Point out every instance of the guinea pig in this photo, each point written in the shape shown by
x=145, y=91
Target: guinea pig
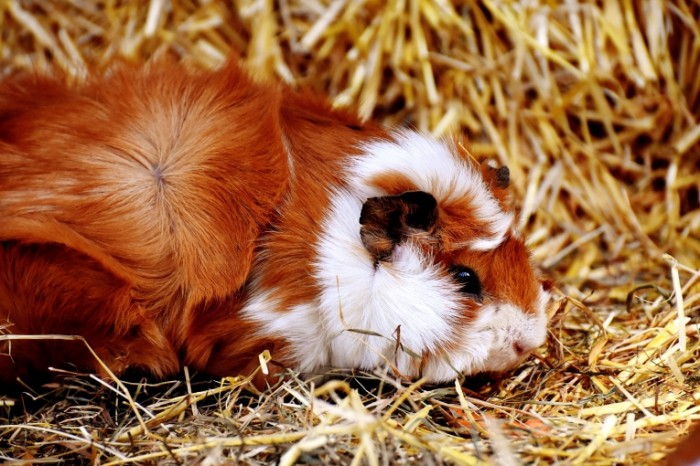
x=173, y=217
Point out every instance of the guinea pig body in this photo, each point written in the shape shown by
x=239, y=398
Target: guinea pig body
x=197, y=218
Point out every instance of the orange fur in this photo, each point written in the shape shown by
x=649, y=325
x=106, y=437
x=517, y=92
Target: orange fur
x=321, y=139
x=144, y=177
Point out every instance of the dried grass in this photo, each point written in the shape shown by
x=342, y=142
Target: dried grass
x=595, y=107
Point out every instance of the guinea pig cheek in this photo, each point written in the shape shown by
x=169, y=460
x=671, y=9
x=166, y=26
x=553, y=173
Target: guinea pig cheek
x=497, y=339
x=516, y=335
x=511, y=334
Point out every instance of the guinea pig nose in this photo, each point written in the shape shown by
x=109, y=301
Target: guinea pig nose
x=520, y=348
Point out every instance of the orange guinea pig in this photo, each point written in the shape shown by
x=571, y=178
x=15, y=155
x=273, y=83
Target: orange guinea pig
x=173, y=217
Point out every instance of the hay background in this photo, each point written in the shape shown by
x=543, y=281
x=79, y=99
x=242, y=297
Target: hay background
x=595, y=107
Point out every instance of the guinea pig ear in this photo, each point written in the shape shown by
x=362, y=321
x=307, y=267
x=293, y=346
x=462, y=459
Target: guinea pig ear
x=498, y=180
x=386, y=220
x=547, y=284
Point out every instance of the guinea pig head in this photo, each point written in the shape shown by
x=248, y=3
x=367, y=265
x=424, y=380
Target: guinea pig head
x=433, y=280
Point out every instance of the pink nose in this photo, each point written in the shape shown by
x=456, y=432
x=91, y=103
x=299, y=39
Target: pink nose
x=520, y=348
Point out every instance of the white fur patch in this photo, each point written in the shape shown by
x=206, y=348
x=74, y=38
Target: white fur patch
x=299, y=325
x=407, y=294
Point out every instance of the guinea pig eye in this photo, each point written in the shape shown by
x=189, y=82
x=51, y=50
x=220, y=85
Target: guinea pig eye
x=468, y=280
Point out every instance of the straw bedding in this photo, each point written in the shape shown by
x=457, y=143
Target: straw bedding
x=594, y=106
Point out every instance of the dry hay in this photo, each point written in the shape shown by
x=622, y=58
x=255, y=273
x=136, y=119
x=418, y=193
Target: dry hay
x=595, y=107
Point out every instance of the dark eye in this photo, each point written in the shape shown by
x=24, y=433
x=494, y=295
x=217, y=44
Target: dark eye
x=467, y=279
